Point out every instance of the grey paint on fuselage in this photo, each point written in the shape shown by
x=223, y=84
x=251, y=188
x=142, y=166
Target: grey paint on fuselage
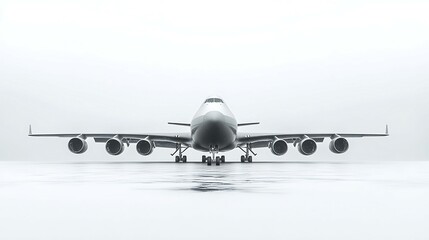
x=214, y=125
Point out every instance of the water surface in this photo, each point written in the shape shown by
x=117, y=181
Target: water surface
x=262, y=200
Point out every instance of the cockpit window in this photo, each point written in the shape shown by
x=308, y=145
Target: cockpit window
x=210, y=100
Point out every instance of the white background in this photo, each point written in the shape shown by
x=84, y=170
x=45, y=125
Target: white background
x=295, y=66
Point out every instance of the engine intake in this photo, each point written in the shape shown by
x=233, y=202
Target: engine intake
x=339, y=145
x=77, y=145
x=144, y=147
x=307, y=146
x=279, y=147
x=114, y=146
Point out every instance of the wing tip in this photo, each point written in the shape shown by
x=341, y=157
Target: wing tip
x=30, y=132
x=387, y=129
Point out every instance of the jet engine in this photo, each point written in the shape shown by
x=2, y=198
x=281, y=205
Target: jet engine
x=144, y=147
x=114, y=146
x=339, y=145
x=77, y=145
x=279, y=147
x=307, y=146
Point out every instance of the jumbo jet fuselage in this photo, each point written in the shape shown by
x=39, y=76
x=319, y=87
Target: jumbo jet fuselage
x=214, y=127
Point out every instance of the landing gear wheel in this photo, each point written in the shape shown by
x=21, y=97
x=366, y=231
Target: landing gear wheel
x=204, y=158
x=184, y=159
x=222, y=159
x=209, y=161
x=243, y=159
x=249, y=159
x=177, y=159
x=217, y=161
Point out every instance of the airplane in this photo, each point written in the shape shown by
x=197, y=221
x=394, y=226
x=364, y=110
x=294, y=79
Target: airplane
x=213, y=129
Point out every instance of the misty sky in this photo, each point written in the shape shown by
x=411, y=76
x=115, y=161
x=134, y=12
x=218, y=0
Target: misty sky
x=295, y=66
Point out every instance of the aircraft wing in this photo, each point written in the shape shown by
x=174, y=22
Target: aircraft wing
x=167, y=140
x=263, y=139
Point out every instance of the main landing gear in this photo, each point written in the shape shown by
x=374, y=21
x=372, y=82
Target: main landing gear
x=216, y=159
x=244, y=159
x=181, y=150
x=247, y=157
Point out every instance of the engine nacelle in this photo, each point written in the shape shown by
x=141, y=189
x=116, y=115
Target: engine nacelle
x=144, y=147
x=77, y=145
x=307, y=146
x=339, y=145
x=114, y=146
x=279, y=147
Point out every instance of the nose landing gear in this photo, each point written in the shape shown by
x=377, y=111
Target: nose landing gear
x=214, y=149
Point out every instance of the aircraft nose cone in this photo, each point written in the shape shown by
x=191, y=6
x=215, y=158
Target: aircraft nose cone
x=213, y=117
